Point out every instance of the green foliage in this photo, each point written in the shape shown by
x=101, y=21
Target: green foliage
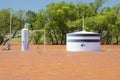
x=58, y=14
x=36, y=38
x=85, y=9
x=4, y=20
x=31, y=18
x=116, y=8
x=17, y=22
x=60, y=18
x=97, y=4
x=41, y=20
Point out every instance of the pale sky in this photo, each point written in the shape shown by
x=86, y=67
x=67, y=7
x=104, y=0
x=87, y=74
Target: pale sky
x=36, y=5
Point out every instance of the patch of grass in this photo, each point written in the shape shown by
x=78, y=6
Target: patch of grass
x=17, y=39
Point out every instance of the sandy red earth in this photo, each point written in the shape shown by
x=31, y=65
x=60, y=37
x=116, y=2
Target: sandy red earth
x=53, y=62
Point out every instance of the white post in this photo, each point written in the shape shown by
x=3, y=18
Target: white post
x=10, y=10
x=44, y=40
x=83, y=28
x=44, y=37
x=10, y=24
x=24, y=39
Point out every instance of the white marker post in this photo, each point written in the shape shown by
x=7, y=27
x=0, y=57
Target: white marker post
x=24, y=39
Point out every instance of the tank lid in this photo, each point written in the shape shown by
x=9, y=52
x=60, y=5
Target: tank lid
x=83, y=32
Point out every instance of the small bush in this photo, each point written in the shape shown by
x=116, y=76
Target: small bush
x=36, y=38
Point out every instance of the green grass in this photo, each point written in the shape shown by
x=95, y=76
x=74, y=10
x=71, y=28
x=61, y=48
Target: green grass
x=17, y=39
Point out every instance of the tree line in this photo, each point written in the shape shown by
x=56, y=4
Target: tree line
x=60, y=18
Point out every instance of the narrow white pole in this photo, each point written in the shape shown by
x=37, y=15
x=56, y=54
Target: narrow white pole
x=44, y=39
x=10, y=10
x=10, y=24
x=83, y=28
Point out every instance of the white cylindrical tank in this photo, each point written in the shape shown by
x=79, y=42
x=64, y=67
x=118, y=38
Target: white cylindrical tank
x=24, y=39
x=83, y=41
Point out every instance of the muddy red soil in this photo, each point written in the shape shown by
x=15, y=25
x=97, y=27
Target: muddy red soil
x=53, y=62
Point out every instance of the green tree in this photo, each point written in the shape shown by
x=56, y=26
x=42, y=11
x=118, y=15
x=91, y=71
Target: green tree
x=58, y=16
x=19, y=21
x=97, y=4
x=111, y=17
x=31, y=18
x=41, y=20
x=116, y=7
x=4, y=26
x=84, y=9
x=117, y=29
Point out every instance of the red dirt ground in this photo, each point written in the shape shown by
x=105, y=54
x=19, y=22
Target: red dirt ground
x=53, y=62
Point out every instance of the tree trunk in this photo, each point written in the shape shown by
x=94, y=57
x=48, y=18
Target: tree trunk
x=51, y=37
x=55, y=37
x=15, y=33
x=1, y=39
x=5, y=41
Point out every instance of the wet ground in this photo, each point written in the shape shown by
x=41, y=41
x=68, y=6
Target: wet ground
x=53, y=62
